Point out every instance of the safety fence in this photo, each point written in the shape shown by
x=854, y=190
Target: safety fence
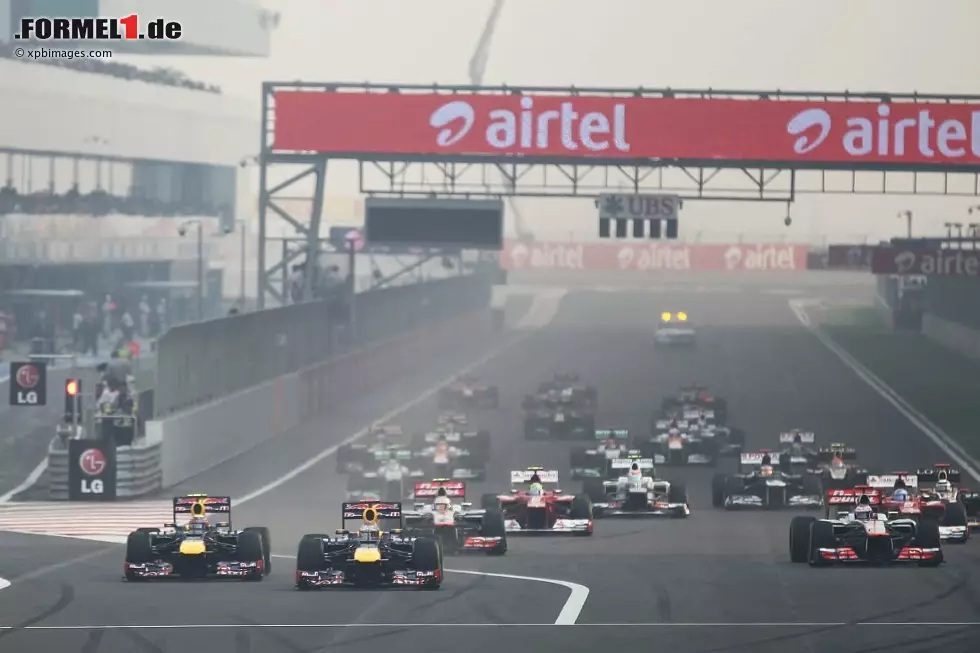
x=205, y=361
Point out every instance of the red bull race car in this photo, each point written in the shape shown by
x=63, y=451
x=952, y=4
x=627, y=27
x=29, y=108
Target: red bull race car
x=531, y=508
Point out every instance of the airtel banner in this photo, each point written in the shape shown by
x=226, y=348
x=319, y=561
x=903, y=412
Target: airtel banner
x=652, y=257
x=566, y=126
x=928, y=262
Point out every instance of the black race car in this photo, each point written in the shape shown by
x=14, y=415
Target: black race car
x=369, y=557
x=696, y=396
x=569, y=389
x=451, y=453
x=389, y=479
x=468, y=392
x=359, y=456
x=767, y=486
x=441, y=511
x=193, y=546
x=593, y=461
x=557, y=416
x=865, y=536
x=678, y=442
x=836, y=467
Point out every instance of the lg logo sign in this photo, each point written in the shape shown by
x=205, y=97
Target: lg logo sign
x=28, y=384
x=92, y=462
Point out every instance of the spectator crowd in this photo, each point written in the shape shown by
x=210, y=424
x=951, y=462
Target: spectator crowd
x=159, y=76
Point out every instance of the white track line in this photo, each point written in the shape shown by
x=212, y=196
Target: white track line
x=541, y=303
x=805, y=624
x=940, y=438
x=569, y=611
x=28, y=482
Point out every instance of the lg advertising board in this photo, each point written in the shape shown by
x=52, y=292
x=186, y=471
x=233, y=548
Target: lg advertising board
x=28, y=384
x=562, y=126
x=930, y=262
x=91, y=470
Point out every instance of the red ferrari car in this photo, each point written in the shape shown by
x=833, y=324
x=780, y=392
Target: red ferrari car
x=530, y=507
x=922, y=497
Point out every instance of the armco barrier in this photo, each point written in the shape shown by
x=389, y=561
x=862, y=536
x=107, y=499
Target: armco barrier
x=199, y=363
x=138, y=470
x=202, y=437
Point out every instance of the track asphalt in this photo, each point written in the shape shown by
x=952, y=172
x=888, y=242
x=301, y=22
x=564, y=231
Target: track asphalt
x=716, y=581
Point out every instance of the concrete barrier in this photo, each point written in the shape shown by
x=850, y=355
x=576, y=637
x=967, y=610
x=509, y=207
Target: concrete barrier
x=138, y=471
x=959, y=338
x=200, y=438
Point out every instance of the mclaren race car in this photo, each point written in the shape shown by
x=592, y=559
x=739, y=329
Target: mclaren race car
x=864, y=534
x=195, y=546
x=766, y=486
x=676, y=442
x=468, y=392
x=675, y=330
x=927, y=495
x=635, y=491
x=696, y=396
x=369, y=556
x=593, y=461
x=835, y=465
x=441, y=511
x=450, y=453
x=530, y=508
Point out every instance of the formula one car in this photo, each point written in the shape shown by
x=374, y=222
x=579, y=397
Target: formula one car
x=557, y=419
x=836, y=469
x=696, y=396
x=441, y=511
x=198, y=548
x=592, y=461
x=368, y=557
x=929, y=496
x=569, y=389
x=675, y=442
x=766, y=486
x=944, y=481
x=468, y=392
x=864, y=535
x=387, y=482
x=358, y=456
x=675, y=329
x=530, y=508
x=450, y=453
x=636, y=492
x=797, y=449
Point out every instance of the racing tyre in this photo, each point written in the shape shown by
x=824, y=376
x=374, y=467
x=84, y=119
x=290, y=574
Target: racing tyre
x=594, y=489
x=263, y=532
x=581, y=509
x=138, y=551
x=956, y=516
x=427, y=556
x=250, y=550
x=343, y=458
x=718, y=486
x=489, y=502
x=737, y=438
x=309, y=556
x=481, y=445
x=927, y=537
x=733, y=485
x=799, y=538
x=812, y=486
x=677, y=494
x=493, y=397
x=821, y=537
x=494, y=526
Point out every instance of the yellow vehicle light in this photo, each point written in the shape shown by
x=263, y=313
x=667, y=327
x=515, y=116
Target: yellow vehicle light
x=665, y=317
x=682, y=317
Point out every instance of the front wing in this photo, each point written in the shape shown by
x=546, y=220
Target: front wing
x=219, y=569
x=954, y=533
x=681, y=457
x=337, y=578
x=739, y=501
x=907, y=554
x=656, y=509
x=560, y=527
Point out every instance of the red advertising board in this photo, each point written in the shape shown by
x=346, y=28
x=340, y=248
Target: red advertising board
x=652, y=257
x=569, y=127
x=928, y=262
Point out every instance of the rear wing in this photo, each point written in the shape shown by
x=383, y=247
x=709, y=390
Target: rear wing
x=806, y=437
x=851, y=496
x=626, y=463
x=454, y=489
x=887, y=481
x=827, y=454
x=665, y=424
x=932, y=476
x=452, y=418
x=612, y=434
x=448, y=436
x=754, y=459
x=201, y=505
x=371, y=512
x=524, y=476
x=695, y=413
x=383, y=455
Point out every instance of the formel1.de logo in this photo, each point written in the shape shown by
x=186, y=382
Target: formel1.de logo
x=128, y=28
x=92, y=462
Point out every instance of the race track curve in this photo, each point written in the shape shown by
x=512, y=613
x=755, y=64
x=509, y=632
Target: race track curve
x=717, y=581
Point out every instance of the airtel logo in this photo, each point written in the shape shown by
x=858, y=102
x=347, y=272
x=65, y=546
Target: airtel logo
x=528, y=129
x=804, y=122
